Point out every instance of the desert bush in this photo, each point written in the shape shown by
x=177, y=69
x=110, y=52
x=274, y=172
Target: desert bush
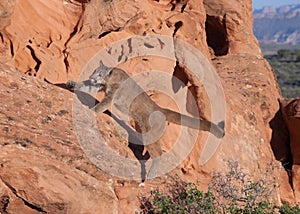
x=238, y=192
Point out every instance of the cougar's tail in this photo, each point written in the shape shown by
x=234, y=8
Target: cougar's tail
x=195, y=123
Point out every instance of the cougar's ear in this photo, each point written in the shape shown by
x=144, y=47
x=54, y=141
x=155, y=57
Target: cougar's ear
x=101, y=64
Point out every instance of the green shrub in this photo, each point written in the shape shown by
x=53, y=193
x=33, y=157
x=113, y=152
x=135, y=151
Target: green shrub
x=287, y=209
x=182, y=198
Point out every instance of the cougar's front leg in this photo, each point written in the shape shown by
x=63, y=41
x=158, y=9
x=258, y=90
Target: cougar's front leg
x=104, y=104
x=107, y=100
x=153, y=145
x=155, y=152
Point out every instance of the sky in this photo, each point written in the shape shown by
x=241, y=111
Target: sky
x=258, y=4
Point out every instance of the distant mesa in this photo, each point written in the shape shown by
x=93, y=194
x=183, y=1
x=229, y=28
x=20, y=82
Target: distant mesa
x=278, y=25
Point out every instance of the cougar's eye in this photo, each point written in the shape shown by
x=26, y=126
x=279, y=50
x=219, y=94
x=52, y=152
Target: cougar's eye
x=93, y=81
x=98, y=85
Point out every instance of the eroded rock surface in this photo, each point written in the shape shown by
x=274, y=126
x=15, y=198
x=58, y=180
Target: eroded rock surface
x=41, y=165
x=290, y=109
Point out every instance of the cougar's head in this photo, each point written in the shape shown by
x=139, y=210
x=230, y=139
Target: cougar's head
x=95, y=83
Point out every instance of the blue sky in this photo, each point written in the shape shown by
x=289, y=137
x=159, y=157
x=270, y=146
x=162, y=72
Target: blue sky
x=258, y=4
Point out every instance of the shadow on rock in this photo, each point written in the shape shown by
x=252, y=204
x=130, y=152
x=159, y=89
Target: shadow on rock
x=137, y=148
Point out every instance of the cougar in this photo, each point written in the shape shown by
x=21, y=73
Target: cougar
x=148, y=116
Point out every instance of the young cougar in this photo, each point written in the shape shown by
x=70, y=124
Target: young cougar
x=142, y=109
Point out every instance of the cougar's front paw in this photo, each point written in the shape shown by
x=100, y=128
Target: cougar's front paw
x=220, y=134
x=70, y=84
x=218, y=130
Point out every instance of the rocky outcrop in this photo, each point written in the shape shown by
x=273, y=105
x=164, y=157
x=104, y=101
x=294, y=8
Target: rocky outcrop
x=291, y=114
x=229, y=27
x=6, y=9
x=54, y=42
x=41, y=166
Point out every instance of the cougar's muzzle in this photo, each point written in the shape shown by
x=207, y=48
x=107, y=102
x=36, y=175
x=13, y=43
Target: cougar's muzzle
x=85, y=86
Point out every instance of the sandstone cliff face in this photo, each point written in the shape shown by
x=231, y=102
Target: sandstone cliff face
x=290, y=109
x=55, y=41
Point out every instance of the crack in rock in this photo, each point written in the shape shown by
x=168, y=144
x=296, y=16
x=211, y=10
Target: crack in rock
x=26, y=202
x=77, y=28
x=35, y=58
x=4, y=201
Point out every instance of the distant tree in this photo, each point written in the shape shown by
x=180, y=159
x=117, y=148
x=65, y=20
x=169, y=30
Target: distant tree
x=284, y=53
x=297, y=54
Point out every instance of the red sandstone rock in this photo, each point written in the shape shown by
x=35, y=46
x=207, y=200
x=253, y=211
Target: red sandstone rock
x=41, y=169
x=6, y=9
x=291, y=114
